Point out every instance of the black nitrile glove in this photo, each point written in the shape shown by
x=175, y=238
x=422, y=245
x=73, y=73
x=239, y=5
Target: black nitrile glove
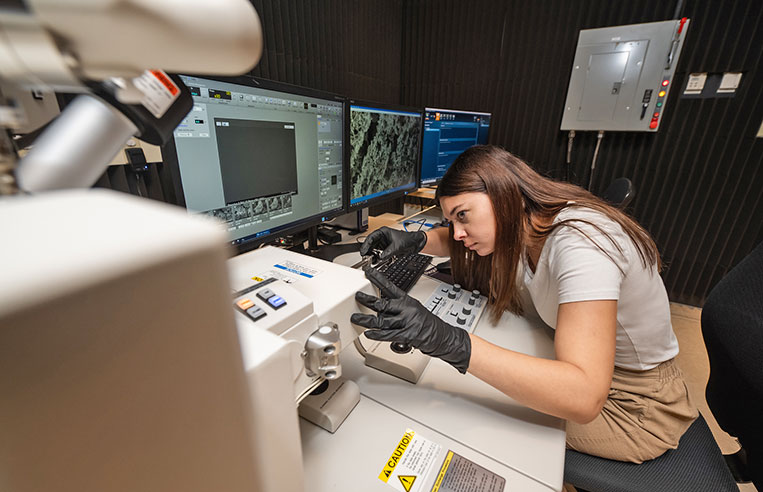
x=393, y=242
x=403, y=319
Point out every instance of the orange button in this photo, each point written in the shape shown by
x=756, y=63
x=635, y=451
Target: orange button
x=661, y=94
x=245, y=303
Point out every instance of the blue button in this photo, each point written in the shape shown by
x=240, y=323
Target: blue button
x=276, y=301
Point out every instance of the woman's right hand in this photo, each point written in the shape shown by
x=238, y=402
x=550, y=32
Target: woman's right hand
x=393, y=242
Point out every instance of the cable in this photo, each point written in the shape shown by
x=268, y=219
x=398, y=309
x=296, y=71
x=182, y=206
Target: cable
x=421, y=222
x=679, y=9
x=570, y=138
x=595, y=155
x=417, y=213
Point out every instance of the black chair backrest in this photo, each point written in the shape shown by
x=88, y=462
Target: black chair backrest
x=732, y=325
x=619, y=193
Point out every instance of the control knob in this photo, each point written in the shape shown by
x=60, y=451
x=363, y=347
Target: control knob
x=473, y=298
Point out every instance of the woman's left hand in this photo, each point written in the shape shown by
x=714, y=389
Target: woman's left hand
x=401, y=318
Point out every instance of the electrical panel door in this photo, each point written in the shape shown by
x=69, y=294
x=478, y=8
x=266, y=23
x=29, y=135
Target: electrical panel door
x=621, y=76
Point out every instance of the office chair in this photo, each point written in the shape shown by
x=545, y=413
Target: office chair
x=732, y=324
x=619, y=193
x=696, y=465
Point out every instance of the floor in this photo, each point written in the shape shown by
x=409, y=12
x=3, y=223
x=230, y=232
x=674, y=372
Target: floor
x=694, y=363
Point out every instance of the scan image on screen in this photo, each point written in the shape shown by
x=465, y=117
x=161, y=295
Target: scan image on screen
x=384, y=151
x=261, y=160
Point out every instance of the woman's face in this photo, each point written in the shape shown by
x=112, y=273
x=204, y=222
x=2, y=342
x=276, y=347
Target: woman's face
x=473, y=220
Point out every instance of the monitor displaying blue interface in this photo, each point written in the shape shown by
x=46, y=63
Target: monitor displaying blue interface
x=384, y=152
x=447, y=133
x=264, y=158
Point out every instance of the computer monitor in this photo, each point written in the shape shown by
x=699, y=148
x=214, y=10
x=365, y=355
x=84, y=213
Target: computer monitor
x=447, y=133
x=384, y=152
x=264, y=157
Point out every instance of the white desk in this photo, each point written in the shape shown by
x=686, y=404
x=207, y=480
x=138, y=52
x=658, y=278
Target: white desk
x=523, y=446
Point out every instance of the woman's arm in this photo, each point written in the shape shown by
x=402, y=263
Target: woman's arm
x=576, y=384
x=437, y=242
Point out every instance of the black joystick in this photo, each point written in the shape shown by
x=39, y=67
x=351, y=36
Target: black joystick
x=400, y=347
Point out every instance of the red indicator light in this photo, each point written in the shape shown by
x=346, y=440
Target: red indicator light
x=665, y=83
x=656, y=115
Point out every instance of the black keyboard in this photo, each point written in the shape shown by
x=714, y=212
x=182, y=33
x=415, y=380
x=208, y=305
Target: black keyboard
x=405, y=270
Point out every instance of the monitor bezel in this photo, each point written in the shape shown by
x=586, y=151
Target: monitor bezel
x=421, y=156
x=395, y=194
x=169, y=156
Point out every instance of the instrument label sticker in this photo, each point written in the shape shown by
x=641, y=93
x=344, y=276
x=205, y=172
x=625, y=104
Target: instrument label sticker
x=297, y=269
x=279, y=274
x=458, y=474
x=410, y=462
x=159, y=91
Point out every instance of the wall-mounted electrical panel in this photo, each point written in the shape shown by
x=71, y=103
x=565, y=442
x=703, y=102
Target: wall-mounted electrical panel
x=621, y=76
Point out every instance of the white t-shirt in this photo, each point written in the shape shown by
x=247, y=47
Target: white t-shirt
x=571, y=268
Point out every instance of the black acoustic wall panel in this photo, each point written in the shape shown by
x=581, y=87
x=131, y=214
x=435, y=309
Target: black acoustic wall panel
x=353, y=48
x=348, y=47
x=698, y=181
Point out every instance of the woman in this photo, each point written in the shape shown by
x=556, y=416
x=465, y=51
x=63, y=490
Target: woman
x=592, y=274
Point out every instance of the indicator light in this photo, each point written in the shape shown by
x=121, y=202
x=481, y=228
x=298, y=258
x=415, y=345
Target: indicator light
x=665, y=83
x=661, y=93
x=656, y=115
x=659, y=104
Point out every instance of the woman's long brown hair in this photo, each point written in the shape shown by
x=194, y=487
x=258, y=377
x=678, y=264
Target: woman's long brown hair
x=518, y=194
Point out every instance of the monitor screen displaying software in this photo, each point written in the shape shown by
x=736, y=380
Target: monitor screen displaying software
x=384, y=153
x=447, y=133
x=262, y=157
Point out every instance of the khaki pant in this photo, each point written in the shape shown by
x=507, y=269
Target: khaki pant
x=646, y=414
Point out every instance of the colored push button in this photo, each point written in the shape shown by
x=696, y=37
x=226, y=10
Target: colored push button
x=265, y=294
x=659, y=104
x=653, y=124
x=276, y=301
x=244, y=303
x=256, y=313
x=662, y=93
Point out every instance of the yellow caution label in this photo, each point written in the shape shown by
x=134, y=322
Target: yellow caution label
x=396, y=455
x=443, y=469
x=407, y=481
x=258, y=279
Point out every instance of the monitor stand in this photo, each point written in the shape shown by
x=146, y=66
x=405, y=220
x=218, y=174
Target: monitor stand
x=323, y=251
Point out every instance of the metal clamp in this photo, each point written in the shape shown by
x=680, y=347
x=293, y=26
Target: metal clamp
x=321, y=354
